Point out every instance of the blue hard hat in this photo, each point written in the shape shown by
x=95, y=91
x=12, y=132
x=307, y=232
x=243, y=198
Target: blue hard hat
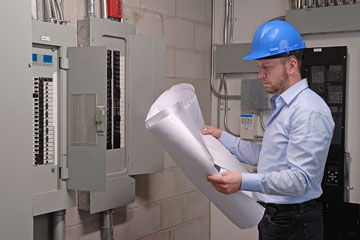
x=275, y=37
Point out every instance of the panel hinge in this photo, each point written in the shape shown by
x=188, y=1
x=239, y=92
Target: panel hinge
x=63, y=173
x=64, y=63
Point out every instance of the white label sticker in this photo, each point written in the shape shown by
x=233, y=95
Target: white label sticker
x=45, y=38
x=317, y=49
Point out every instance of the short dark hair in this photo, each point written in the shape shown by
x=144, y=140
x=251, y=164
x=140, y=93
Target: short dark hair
x=299, y=54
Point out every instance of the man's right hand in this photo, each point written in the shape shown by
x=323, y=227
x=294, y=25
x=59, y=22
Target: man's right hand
x=215, y=132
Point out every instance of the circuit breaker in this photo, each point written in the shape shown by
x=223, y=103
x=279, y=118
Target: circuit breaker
x=49, y=78
x=114, y=77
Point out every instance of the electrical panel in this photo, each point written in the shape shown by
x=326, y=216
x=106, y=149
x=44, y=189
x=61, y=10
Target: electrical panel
x=114, y=77
x=325, y=69
x=49, y=78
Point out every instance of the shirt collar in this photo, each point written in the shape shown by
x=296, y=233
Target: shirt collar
x=294, y=90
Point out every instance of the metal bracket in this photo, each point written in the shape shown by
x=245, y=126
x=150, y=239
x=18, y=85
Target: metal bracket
x=63, y=173
x=99, y=118
x=64, y=63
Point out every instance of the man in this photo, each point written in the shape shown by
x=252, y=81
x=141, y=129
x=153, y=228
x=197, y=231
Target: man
x=290, y=161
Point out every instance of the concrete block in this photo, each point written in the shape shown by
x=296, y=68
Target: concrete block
x=132, y=15
x=196, y=205
x=74, y=216
x=178, y=32
x=208, y=11
x=70, y=12
x=139, y=222
x=181, y=183
x=172, y=212
x=154, y=187
x=190, y=230
x=191, y=9
x=206, y=112
x=207, y=66
x=164, y=235
x=170, y=59
x=205, y=228
x=203, y=37
x=162, y=6
x=189, y=64
x=149, y=24
x=88, y=231
x=168, y=161
x=202, y=89
x=132, y=3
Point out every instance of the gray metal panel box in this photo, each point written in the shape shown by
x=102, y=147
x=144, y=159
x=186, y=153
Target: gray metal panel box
x=229, y=58
x=147, y=70
x=143, y=73
x=325, y=19
x=50, y=43
x=253, y=94
x=16, y=121
x=86, y=137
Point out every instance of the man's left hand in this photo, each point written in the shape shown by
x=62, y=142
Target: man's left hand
x=227, y=183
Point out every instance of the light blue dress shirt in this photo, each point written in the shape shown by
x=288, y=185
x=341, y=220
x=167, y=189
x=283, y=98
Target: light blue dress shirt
x=291, y=159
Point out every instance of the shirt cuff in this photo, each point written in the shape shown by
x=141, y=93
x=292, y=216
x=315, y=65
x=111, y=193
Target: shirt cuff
x=251, y=182
x=227, y=139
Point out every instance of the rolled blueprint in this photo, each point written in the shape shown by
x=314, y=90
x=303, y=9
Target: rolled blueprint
x=175, y=120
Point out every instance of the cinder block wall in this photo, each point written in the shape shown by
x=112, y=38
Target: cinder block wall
x=167, y=205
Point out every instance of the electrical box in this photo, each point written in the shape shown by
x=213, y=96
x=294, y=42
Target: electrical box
x=325, y=69
x=247, y=128
x=49, y=79
x=253, y=95
x=115, y=76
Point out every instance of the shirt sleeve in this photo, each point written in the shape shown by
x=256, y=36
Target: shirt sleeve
x=245, y=151
x=308, y=144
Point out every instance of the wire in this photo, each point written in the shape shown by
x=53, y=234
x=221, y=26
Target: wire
x=226, y=109
x=220, y=95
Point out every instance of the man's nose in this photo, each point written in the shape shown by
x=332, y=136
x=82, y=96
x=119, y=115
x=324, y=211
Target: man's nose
x=261, y=74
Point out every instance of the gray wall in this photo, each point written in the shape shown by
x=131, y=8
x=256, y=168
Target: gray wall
x=167, y=205
x=15, y=121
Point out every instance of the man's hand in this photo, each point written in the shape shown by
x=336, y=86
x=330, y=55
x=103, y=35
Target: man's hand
x=215, y=132
x=227, y=183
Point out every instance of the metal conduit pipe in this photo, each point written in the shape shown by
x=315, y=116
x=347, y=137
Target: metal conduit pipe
x=54, y=11
x=107, y=229
x=59, y=225
x=58, y=4
x=218, y=110
x=226, y=22
x=49, y=12
x=91, y=8
x=232, y=19
x=104, y=9
x=227, y=111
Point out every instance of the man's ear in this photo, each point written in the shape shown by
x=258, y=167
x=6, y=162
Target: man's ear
x=292, y=65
